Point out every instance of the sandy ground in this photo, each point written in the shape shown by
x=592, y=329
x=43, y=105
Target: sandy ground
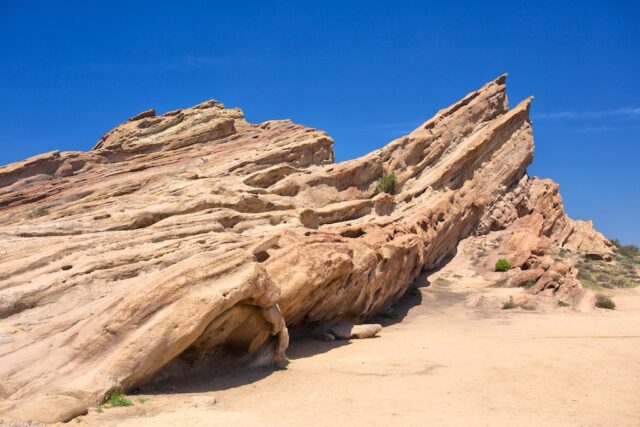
x=441, y=363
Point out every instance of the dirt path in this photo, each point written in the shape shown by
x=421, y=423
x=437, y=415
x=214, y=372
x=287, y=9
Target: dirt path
x=443, y=364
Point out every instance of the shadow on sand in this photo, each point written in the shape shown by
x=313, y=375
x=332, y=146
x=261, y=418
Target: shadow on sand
x=215, y=378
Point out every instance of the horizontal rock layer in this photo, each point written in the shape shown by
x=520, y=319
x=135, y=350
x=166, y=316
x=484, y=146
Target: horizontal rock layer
x=182, y=233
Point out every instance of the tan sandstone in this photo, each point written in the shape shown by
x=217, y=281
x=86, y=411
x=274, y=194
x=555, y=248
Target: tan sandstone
x=182, y=234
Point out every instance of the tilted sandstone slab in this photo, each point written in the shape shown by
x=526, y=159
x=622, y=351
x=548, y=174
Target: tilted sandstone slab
x=181, y=234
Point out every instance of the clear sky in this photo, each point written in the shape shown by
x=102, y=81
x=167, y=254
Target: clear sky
x=364, y=71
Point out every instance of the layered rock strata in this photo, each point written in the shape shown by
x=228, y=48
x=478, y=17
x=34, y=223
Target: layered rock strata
x=183, y=233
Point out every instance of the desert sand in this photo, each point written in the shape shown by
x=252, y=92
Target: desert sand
x=441, y=363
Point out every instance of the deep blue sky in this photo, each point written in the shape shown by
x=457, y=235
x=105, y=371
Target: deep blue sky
x=366, y=72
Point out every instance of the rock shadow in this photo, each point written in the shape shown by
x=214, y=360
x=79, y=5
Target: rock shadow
x=304, y=347
x=399, y=310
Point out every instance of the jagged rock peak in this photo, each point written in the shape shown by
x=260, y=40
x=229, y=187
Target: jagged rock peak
x=147, y=132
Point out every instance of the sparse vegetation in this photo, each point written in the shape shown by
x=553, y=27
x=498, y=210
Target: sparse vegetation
x=116, y=400
x=562, y=303
x=503, y=265
x=40, y=211
x=621, y=272
x=603, y=301
x=142, y=400
x=509, y=304
x=387, y=184
x=442, y=282
x=585, y=276
x=629, y=251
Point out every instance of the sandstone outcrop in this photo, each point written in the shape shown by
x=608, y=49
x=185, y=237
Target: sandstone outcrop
x=184, y=233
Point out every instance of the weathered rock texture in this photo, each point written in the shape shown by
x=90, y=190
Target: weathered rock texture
x=182, y=233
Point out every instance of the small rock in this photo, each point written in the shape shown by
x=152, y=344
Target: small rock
x=347, y=331
x=327, y=337
x=595, y=256
x=143, y=115
x=526, y=277
x=519, y=258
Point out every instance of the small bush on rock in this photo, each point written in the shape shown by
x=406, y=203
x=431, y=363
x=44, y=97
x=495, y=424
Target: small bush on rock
x=387, y=184
x=117, y=400
x=503, y=265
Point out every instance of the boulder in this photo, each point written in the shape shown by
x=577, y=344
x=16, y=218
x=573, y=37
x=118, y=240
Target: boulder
x=346, y=331
x=526, y=277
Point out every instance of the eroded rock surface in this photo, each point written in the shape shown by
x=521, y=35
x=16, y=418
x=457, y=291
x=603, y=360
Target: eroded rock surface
x=181, y=233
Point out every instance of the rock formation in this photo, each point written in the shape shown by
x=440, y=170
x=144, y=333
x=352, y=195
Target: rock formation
x=184, y=233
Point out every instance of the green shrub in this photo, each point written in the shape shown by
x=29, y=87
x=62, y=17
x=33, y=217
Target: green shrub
x=562, y=303
x=622, y=272
x=603, y=301
x=442, y=282
x=503, y=265
x=117, y=400
x=508, y=305
x=622, y=282
x=387, y=184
